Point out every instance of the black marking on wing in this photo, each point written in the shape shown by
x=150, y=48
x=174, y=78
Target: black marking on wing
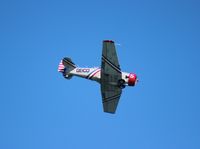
x=108, y=99
x=111, y=64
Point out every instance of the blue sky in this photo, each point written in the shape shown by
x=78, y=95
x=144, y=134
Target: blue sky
x=159, y=41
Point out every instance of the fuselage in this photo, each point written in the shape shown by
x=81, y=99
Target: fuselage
x=95, y=74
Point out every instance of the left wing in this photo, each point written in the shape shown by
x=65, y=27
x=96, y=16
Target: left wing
x=110, y=75
x=110, y=96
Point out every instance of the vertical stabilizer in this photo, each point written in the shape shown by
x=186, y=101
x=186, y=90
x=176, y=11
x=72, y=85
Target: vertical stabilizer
x=68, y=66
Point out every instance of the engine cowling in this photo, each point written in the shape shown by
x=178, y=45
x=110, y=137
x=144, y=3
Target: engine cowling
x=132, y=79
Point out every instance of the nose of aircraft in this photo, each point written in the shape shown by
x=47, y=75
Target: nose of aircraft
x=132, y=79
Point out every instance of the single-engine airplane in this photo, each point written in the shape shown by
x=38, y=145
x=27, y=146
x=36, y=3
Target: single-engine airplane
x=109, y=75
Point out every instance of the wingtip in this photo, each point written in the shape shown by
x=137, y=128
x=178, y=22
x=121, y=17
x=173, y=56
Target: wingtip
x=109, y=41
x=109, y=112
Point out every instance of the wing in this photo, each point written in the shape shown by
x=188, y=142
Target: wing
x=110, y=97
x=109, y=57
x=110, y=75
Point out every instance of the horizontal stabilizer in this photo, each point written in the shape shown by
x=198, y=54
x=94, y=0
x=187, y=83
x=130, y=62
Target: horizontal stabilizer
x=68, y=62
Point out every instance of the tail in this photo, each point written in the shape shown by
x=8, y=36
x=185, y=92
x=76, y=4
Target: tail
x=66, y=66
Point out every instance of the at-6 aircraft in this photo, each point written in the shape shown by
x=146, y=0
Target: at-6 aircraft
x=109, y=75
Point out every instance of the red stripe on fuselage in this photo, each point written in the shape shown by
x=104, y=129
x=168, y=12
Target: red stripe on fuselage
x=94, y=74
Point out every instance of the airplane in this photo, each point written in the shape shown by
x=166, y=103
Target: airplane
x=110, y=77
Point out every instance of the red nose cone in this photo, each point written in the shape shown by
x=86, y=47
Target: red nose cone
x=132, y=79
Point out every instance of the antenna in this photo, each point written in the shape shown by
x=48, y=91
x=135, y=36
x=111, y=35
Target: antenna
x=118, y=44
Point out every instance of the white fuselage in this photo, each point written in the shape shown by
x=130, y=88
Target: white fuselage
x=93, y=74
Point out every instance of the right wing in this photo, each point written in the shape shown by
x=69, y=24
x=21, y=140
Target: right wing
x=109, y=58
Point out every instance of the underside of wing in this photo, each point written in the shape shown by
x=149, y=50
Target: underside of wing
x=110, y=75
x=110, y=97
x=110, y=61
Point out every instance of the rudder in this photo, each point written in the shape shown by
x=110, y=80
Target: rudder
x=68, y=66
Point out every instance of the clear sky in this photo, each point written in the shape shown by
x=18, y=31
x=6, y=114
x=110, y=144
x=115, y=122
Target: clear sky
x=159, y=40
